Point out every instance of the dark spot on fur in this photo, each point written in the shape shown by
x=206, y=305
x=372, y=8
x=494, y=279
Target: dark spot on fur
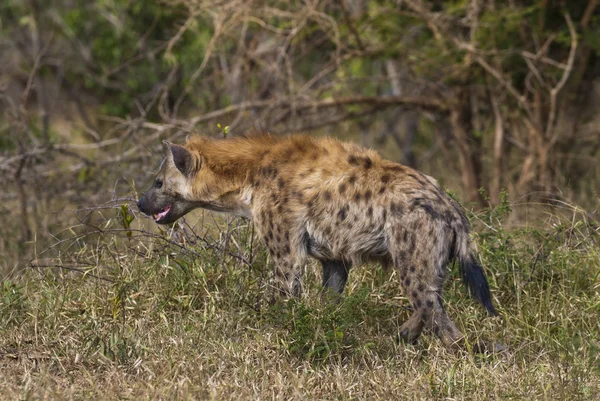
x=385, y=178
x=327, y=195
x=415, y=295
x=418, y=303
x=367, y=163
x=357, y=197
x=412, y=269
x=430, y=303
x=421, y=287
x=411, y=245
x=368, y=195
x=438, y=194
x=268, y=171
x=352, y=179
x=280, y=183
x=370, y=211
x=396, y=168
x=396, y=208
x=407, y=282
x=288, y=154
x=342, y=188
x=384, y=214
x=420, y=180
x=430, y=210
x=353, y=160
x=342, y=214
x=449, y=217
x=286, y=249
x=381, y=190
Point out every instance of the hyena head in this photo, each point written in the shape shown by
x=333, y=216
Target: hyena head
x=170, y=196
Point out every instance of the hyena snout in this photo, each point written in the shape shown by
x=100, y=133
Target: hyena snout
x=147, y=205
x=159, y=207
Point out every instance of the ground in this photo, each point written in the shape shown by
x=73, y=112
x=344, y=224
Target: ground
x=157, y=316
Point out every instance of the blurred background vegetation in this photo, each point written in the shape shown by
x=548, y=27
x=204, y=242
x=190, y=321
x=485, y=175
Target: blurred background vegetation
x=490, y=97
x=496, y=99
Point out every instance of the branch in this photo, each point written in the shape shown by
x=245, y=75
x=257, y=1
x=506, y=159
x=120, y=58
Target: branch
x=565, y=76
x=351, y=25
x=424, y=102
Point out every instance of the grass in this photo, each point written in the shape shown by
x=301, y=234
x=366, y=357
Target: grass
x=122, y=312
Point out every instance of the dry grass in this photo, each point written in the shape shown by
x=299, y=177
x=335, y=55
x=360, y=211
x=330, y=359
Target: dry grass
x=148, y=319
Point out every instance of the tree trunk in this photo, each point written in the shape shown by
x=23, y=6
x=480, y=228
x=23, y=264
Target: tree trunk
x=468, y=146
x=498, y=170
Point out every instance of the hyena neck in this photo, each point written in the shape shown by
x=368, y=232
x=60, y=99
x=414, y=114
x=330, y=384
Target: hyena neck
x=234, y=163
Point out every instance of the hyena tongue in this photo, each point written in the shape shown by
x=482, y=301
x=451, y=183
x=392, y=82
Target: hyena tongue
x=162, y=214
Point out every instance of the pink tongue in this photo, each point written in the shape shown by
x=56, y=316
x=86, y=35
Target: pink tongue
x=163, y=213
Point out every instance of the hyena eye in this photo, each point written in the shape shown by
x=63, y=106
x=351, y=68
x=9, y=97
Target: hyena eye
x=158, y=183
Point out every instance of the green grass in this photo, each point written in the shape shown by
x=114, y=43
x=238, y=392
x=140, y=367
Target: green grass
x=146, y=317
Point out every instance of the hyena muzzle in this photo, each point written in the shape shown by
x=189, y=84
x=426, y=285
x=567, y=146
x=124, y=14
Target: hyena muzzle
x=336, y=202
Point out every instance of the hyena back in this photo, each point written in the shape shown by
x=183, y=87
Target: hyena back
x=337, y=202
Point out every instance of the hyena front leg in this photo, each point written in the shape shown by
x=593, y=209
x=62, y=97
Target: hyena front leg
x=288, y=263
x=288, y=274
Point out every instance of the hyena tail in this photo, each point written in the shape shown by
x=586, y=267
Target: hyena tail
x=472, y=273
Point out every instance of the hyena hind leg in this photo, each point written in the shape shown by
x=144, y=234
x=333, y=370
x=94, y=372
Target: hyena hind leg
x=422, y=279
x=428, y=311
x=436, y=319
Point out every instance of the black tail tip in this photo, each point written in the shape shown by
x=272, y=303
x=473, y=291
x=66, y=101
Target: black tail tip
x=474, y=278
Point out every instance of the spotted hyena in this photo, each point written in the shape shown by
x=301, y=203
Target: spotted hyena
x=337, y=202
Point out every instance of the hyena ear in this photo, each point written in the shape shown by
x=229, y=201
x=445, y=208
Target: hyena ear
x=185, y=161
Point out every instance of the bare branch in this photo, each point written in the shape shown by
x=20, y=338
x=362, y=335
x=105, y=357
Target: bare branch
x=563, y=80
